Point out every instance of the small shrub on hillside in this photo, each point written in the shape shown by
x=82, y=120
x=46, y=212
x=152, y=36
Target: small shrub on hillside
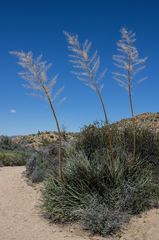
x=148, y=145
x=94, y=138
x=6, y=143
x=91, y=139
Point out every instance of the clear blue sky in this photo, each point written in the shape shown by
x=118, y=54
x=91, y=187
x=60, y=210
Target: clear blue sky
x=38, y=25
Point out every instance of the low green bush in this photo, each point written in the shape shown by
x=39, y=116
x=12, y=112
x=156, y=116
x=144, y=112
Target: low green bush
x=6, y=143
x=12, y=158
x=94, y=138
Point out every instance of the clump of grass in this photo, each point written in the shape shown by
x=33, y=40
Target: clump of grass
x=13, y=158
x=61, y=201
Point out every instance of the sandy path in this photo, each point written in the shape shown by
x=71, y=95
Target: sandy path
x=20, y=219
x=145, y=227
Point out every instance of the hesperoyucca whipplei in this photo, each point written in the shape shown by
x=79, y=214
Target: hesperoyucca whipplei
x=87, y=70
x=35, y=74
x=130, y=65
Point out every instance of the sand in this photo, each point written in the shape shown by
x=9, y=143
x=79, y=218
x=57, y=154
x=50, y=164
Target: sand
x=20, y=218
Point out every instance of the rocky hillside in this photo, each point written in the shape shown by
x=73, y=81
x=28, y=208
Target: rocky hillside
x=41, y=139
x=145, y=120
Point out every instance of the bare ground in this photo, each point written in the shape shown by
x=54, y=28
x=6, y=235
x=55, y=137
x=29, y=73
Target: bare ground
x=20, y=218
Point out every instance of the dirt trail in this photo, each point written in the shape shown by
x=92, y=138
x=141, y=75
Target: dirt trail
x=20, y=219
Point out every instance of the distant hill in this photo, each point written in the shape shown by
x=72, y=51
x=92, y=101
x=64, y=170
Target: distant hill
x=42, y=139
x=145, y=120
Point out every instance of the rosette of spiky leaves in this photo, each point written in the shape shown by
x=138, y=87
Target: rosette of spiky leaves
x=128, y=61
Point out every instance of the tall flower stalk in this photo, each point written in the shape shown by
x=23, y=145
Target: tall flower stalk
x=87, y=70
x=35, y=74
x=130, y=65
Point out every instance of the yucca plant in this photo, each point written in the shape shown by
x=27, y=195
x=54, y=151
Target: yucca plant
x=130, y=65
x=35, y=74
x=87, y=70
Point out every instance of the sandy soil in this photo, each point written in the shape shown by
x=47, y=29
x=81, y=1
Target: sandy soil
x=20, y=218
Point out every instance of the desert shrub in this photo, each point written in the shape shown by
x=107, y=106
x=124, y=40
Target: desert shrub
x=99, y=218
x=45, y=141
x=94, y=138
x=42, y=163
x=148, y=145
x=6, y=143
x=31, y=164
x=105, y=215
x=93, y=196
x=13, y=158
x=102, y=202
x=91, y=139
x=36, y=166
x=38, y=175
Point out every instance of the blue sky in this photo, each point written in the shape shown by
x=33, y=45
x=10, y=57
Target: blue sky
x=38, y=26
